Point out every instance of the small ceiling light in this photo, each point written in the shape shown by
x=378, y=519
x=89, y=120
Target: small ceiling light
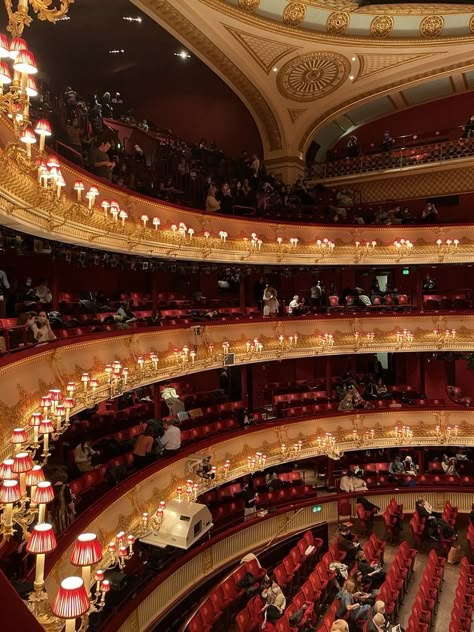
x=351, y=77
x=65, y=18
x=183, y=54
x=129, y=18
x=275, y=69
x=116, y=51
x=354, y=59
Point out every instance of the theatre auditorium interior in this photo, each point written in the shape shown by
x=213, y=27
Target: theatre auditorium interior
x=236, y=316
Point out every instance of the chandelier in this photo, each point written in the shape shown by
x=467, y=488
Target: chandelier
x=19, y=16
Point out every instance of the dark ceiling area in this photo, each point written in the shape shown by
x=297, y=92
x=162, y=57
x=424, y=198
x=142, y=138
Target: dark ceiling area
x=183, y=95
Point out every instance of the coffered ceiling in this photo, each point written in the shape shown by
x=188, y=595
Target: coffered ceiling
x=316, y=69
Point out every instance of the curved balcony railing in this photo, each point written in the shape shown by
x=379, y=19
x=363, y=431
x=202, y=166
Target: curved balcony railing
x=190, y=235
x=397, y=159
x=29, y=374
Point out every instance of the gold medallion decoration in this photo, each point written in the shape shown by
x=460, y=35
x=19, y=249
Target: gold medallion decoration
x=312, y=76
x=431, y=26
x=471, y=24
x=249, y=5
x=337, y=23
x=294, y=14
x=381, y=26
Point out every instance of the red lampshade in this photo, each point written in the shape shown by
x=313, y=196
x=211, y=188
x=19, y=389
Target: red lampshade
x=52, y=162
x=5, y=76
x=44, y=493
x=25, y=63
x=105, y=585
x=79, y=186
x=43, y=128
x=31, y=87
x=28, y=137
x=46, y=399
x=42, y=539
x=99, y=575
x=36, y=419
x=71, y=600
x=35, y=476
x=22, y=463
x=6, y=470
x=18, y=436
x=10, y=492
x=4, y=46
x=16, y=45
x=87, y=550
x=69, y=403
x=46, y=427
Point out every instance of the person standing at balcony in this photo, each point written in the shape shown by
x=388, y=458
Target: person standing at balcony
x=100, y=161
x=142, y=450
x=387, y=141
x=295, y=306
x=429, y=214
x=353, y=147
x=250, y=498
x=316, y=294
x=212, y=203
x=270, y=302
x=469, y=128
x=225, y=199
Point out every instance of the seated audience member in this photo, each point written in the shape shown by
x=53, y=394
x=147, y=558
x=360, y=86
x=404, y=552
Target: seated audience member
x=347, y=378
x=170, y=395
x=212, y=203
x=211, y=314
x=346, y=402
x=406, y=217
x=204, y=469
x=360, y=590
x=382, y=390
x=340, y=625
x=250, y=498
x=347, y=542
x=346, y=484
x=396, y=468
x=362, y=299
x=359, y=484
x=377, y=623
x=143, y=448
x=295, y=306
x=26, y=293
x=429, y=283
x=43, y=292
x=429, y=214
x=425, y=511
x=387, y=141
x=372, y=572
x=370, y=391
x=171, y=439
x=40, y=328
x=83, y=454
x=100, y=161
x=245, y=418
x=449, y=465
x=124, y=314
x=350, y=605
x=224, y=196
x=410, y=467
x=62, y=509
x=275, y=603
x=357, y=399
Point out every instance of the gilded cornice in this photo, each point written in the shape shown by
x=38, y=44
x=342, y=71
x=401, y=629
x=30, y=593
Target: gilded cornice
x=24, y=381
x=179, y=23
x=26, y=206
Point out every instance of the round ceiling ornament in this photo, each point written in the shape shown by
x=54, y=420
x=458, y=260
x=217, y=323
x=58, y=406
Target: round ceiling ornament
x=294, y=14
x=337, y=23
x=249, y=5
x=313, y=76
x=431, y=26
x=381, y=26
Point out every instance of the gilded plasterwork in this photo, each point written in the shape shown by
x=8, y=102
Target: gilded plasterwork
x=313, y=76
x=337, y=23
x=294, y=14
x=371, y=64
x=432, y=26
x=381, y=26
x=266, y=52
x=249, y=5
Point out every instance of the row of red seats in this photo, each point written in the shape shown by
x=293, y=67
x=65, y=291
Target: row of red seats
x=419, y=524
x=311, y=409
x=392, y=516
x=228, y=492
x=470, y=538
x=461, y=614
x=373, y=550
x=394, y=588
x=424, y=608
x=89, y=480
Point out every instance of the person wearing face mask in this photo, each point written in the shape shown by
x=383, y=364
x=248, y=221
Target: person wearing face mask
x=41, y=328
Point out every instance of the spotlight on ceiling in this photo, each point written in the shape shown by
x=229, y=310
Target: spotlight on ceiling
x=116, y=51
x=275, y=69
x=183, y=54
x=129, y=18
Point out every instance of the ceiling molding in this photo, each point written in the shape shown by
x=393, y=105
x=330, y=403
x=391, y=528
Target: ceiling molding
x=295, y=114
x=372, y=63
x=266, y=52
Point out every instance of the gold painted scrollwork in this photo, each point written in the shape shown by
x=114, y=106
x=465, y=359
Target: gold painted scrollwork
x=431, y=26
x=471, y=24
x=381, y=26
x=294, y=14
x=249, y=5
x=337, y=23
x=312, y=76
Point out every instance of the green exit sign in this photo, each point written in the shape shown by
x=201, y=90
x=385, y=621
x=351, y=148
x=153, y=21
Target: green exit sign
x=316, y=508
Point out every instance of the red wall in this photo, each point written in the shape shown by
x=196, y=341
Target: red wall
x=440, y=115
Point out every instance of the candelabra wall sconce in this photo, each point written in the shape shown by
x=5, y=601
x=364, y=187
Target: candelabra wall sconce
x=323, y=248
x=404, y=339
x=446, y=433
x=444, y=338
x=362, y=439
x=362, y=341
x=327, y=445
x=446, y=247
x=363, y=250
x=403, y=434
x=404, y=248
